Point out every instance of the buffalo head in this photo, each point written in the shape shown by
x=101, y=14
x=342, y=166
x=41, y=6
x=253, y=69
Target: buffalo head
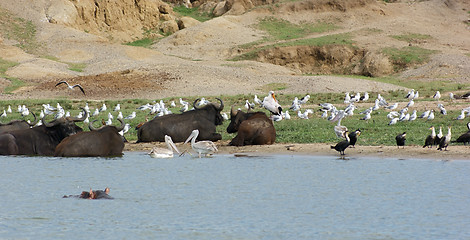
x=66, y=126
x=212, y=107
x=236, y=118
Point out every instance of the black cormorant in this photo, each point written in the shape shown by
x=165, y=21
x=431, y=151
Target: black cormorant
x=401, y=138
x=341, y=146
x=353, y=137
x=430, y=139
x=445, y=140
x=464, y=138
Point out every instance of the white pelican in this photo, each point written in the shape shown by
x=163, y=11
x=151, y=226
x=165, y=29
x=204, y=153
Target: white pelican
x=71, y=87
x=201, y=147
x=157, y=152
x=339, y=130
x=271, y=104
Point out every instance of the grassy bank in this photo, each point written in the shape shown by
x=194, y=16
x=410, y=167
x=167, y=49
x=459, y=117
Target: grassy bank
x=314, y=130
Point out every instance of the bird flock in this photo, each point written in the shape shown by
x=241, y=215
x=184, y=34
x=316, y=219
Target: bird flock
x=397, y=112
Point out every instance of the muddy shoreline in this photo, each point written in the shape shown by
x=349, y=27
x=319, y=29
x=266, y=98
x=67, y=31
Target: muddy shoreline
x=454, y=152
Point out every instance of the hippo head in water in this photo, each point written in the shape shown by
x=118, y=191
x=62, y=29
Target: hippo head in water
x=96, y=194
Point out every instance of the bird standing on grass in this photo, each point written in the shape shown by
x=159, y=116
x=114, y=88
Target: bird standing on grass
x=71, y=87
x=401, y=138
x=445, y=140
x=430, y=138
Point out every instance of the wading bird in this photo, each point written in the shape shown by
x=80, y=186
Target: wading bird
x=341, y=146
x=201, y=147
x=158, y=152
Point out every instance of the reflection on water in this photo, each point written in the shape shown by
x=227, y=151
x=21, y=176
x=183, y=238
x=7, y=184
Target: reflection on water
x=228, y=197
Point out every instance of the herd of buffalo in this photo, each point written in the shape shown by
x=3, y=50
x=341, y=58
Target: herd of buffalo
x=62, y=137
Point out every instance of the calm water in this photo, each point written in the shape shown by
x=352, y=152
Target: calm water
x=227, y=197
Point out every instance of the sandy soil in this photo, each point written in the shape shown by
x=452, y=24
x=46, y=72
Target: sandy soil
x=409, y=152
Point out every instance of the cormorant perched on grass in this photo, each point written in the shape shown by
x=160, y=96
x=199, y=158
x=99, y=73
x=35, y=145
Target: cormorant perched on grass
x=445, y=140
x=430, y=139
x=353, y=137
x=341, y=146
x=401, y=138
x=464, y=138
x=438, y=138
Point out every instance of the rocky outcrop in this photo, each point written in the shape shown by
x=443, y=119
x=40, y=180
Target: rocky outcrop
x=329, y=59
x=118, y=20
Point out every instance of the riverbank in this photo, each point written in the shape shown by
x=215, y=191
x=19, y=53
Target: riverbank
x=454, y=152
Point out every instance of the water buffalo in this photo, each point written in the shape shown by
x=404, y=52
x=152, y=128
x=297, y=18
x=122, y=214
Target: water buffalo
x=254, y=128
x=17, y=125
x=41, y=140
x=180, y=126
x=99, y=142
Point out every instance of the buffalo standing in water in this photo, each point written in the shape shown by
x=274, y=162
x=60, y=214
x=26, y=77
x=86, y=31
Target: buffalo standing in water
x=180, y=126
x=254, y=128
x=99, y=142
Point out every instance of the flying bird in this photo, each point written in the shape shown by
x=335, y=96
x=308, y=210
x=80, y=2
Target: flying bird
x=71, y=87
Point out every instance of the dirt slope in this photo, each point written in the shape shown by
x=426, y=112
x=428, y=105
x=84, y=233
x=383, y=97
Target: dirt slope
x=192, y=61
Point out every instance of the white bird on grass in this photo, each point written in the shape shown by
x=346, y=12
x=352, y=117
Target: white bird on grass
x=425, y=114
x=413, y=116
x=158, y=152
x=96, y=112
x=271, y=104
x=119, y=116
x=9, y=109
x=258, y=101
x=131, y=116
x=103, y=108
x=437, y=95
x=304, y=100
x=393, y=121
x=182, y=102
x=202, y=147
x=392, y=107
x=71, y=87
x=431, y=115
x=4, y=114
x=461, y=116
x=117, y=108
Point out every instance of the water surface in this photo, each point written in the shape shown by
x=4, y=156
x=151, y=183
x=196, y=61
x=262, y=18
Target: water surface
x=227, y=197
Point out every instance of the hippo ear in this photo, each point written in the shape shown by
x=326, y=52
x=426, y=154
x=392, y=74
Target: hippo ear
x=92, y=194
x=106, y=190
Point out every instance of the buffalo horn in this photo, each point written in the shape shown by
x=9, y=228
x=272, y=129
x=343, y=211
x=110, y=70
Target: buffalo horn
x=35, y=120
x=194, y=103
x=49, y=124
x=221, y=107
x=233, y=112
x=90, y=126
x=76, y=119
x=122, y=125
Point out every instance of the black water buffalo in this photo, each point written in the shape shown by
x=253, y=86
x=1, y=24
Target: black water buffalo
x=254, y=128
x=99, y=142
x=17, y=125
x=180, y=126
x=41, y=140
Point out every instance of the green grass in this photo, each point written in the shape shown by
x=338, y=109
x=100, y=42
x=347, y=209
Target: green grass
x=407, y=56
x=14, y=82
x=314, y=130
x=145, y=42
x=77, y=67
x=280, y=29
x=193, y=12
x=20, y=30
x=412, y=37
x=334, y=39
